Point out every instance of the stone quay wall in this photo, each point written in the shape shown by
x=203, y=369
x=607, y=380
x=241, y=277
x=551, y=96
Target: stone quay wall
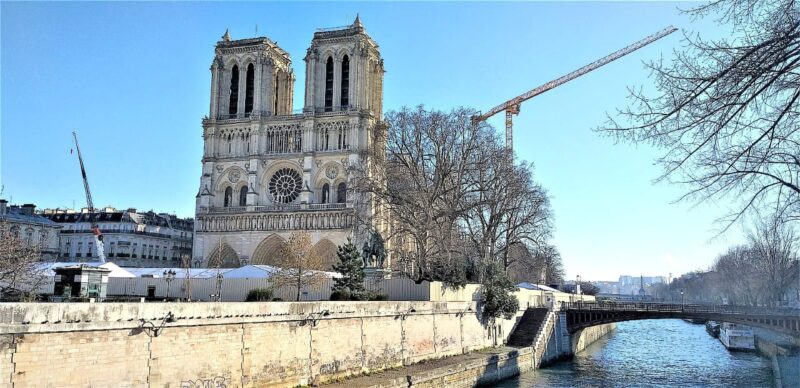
x=585, y=337
x=230, y=344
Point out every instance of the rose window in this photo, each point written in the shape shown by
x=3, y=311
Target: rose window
x=285, y=185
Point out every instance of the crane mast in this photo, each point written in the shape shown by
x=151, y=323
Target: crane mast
x=512, y=106
x=98, y=236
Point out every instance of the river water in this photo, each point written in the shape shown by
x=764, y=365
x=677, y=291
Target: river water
x=652, y=353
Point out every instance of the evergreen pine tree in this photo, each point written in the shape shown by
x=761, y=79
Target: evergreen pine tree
x=351, y=267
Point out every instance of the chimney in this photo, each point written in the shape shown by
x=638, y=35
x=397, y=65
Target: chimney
x=3, y=204
x=28, y=208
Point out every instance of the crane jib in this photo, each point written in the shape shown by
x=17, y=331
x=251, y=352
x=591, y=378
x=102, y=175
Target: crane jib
x=577, y=73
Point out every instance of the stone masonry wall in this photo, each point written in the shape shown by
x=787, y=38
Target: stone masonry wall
x=236, y=344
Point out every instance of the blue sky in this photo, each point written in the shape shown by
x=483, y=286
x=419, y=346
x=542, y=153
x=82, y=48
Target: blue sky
x=134, y=80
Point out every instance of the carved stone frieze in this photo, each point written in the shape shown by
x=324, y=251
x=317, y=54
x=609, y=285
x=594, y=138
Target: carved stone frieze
x=319, y=220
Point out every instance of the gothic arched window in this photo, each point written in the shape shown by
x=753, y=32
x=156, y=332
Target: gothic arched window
x=228, y=197
x=248, y=90
x=341, y=193
x=329, y=85
x=345, y=97
x=326, y=193
x=243, y=196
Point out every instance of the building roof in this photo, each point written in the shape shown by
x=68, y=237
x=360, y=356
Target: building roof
x=536, y=287
x=21, y=214
x=129, y=215
x=180, y=273
x=116, y=271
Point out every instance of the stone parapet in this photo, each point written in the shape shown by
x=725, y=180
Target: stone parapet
x=235, y=344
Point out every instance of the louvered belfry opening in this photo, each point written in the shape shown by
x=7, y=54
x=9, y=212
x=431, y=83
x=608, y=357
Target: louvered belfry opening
x=345, y=81
x=329, y=85
x=248, y=95
x=233, y=102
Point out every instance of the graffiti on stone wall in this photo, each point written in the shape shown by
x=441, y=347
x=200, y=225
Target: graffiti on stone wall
x=215, y=382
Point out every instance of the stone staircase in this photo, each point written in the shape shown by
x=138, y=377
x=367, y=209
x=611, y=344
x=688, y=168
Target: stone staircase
x=524, y=335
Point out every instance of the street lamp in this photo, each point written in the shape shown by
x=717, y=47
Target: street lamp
x=169, y=276
x=682, y=304
x=578, y=287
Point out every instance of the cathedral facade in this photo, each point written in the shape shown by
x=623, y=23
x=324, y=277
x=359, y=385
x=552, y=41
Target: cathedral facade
x=269, y=169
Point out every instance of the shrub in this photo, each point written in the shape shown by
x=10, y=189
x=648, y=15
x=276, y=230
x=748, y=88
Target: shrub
x=259, y=295
x=340, y=295
x=497, y=298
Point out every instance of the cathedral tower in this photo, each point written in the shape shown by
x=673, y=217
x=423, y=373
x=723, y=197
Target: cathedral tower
x=250, y=77
x=344, y=71
x=269, y=171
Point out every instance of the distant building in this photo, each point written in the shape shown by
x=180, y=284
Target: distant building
x=131, y=239
x=630, y=285
x=31, y=227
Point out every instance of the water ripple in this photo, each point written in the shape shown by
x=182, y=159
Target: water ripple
x=654, y=353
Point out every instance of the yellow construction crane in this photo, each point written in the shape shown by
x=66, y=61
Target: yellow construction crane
x=511, y=107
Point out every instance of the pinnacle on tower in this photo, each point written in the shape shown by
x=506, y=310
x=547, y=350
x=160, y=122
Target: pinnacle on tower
x=357, y=22
x=227, y=36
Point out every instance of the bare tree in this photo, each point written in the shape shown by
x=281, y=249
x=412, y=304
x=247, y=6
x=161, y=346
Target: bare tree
x=539, y=265
x=726, y=111
x=507, y=208
x=417, y=168
x=774, y=247
x=297, y=266
x=736, y=280
x=549, y=258
x=21, y=271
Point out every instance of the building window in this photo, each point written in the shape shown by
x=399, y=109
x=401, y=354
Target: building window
x=341, y=193
x=248, y=95
x=329, y=85
x=228, y=197
x=345, y=81
x=233, y=103
x=326, y=193
x=243, y=196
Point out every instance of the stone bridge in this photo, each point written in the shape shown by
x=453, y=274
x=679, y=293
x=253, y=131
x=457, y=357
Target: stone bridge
x=581, y=315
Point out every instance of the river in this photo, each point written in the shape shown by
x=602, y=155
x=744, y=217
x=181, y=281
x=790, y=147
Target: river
x=648, y=353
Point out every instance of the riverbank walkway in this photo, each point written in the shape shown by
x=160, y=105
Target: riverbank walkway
x=483, y=366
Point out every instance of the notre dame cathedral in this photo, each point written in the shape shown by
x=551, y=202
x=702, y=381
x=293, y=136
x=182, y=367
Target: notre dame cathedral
x=270, y=170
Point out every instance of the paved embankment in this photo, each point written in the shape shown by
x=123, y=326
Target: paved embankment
x=478, y=368
x=784, y=354
x=538, y=340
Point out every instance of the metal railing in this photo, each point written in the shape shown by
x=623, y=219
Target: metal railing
x=680, y=307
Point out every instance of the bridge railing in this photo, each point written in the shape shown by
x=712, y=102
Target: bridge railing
x=679, y=307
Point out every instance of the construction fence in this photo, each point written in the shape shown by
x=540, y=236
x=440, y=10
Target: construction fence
x=236, y=290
